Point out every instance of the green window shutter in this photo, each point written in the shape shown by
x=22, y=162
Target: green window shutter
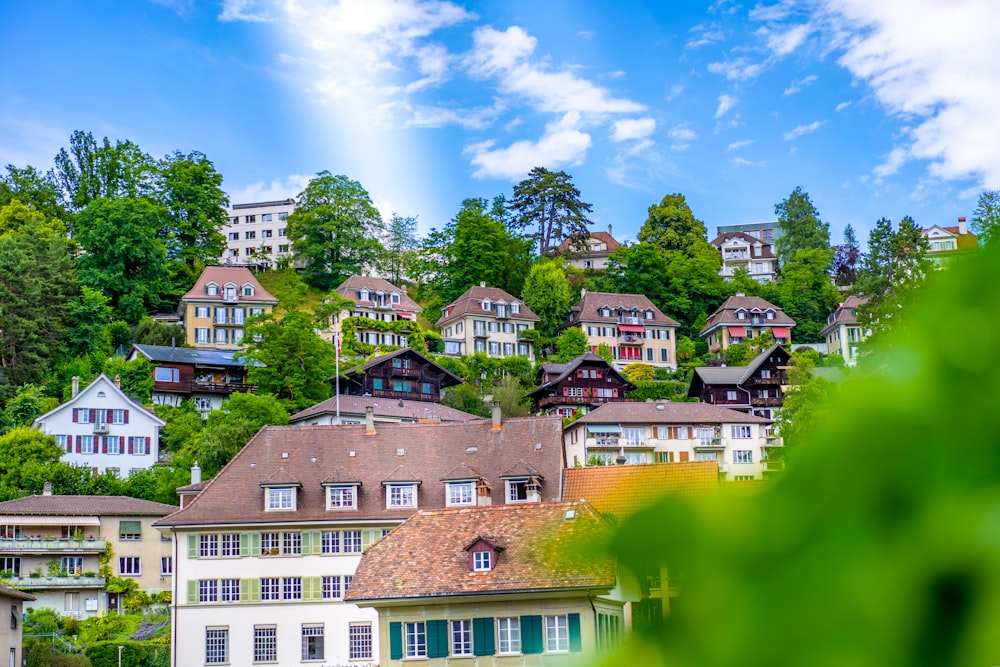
x=312, y=588
x=316, y=540
x=192, y=591
x=395, y=640
x=370, y=537
x=306, y=543
x=244, y=544
x=482, y=636
x=437, y=639
x=575, y=641
x=254, y=544
x=192, y=546
x=531, y=634
x=249, y=590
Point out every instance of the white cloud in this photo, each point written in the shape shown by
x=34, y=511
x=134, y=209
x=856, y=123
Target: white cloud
x=933, y=64
x=470, y=119
x=774, y=12
x=276, y=190
x=739, y=69
x=586, y=34
x=703, y=36
x=682, y=136
x=631, y=129
x=800, y=130
x=241, y=10
x=842, y=106
x=781, y=44
x=800, y=84
x=736, y=145
x=561, y=145
x=742, y=162
x=726, y=102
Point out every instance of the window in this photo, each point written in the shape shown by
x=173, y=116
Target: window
x=138, y=445
x=229, y=590
x=331, y=542
x=741, y=432
x=482, y=561
x=312, y=642
x=291, y=588
x=359, y=641
x=634, y=437
x=208, y=546
x=742, y=456
x=166, y=565
x=114, y=444
x=517, y=490
x=494, y=348
x=741, y=314
x=332, y=588
x=265, y=643
x=129, y=566
x=765, y=374
x=415, y=636
x=556, y=634
x=201, y=335
x=352, y=542
x=270, y=588
x=250, y=235
x=230, y=544
x=129, y=531
x=212, y=289
x=291, y=544
x=509, y=634
x=663, y=355
x=280, y=498
x=221, y=336
x=216, y=645
x=264, y=234
x=340, y=497
x=251, y=219
x=71, y=564
x=87, y=444
x=402, y=495
x=270, y=542
x=460, y=493
x=731, y=395
x=234, y=236
x=11, y=564
x=208, y=590
x=71, y=602
x=461, y=637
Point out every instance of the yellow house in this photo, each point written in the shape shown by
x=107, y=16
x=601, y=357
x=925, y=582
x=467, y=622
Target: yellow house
x=216, y=309
x=503, y=585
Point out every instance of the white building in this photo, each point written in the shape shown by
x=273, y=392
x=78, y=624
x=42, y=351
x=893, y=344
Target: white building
x=488, y=320
x=662, y=432
x=740, y=250
x=102, y=428
x=255, y=233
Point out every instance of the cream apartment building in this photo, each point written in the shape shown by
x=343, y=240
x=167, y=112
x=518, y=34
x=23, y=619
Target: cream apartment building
x=255, y=233
x=487, y=320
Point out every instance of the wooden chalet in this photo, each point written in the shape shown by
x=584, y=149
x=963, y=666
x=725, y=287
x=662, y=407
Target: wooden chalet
x=403, y=374
x=757, y=388
x=206, y=376
x=583, y=383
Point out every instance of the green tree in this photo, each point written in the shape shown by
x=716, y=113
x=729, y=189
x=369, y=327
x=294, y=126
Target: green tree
x=549, y=203
x=801, y=227
x=89, y=315
x=639, y=372
x=28, y=403
x=547, y=294
x=806, y=293
x=738, y=354
x=671, y=225
x=34, y=189
x=183, y=425
x=19, y=218
x=400, y=247
x=23, y=450
x=986, y=217
x=571, y=344
x=153, y=332
x=466, y=397
x=334, y=230
x=89, y=171
x=845, y=259
x=604, y=352
x=685, y=348
x=228, y=429
x=190, y=189
x=136, y=376
x=123, y=258
x=509, y=394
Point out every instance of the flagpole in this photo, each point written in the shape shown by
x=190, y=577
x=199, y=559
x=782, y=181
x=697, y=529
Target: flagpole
x=338, y=376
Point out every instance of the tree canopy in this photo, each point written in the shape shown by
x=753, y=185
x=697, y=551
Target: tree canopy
x=801, y=227
x=986, y=217
x=548, y=203
x=671, y=225
x=547, y=294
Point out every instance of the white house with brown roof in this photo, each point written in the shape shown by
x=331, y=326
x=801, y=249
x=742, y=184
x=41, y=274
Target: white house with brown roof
x=742, y=251
x=375, y=300
x=51, y=546
x=948, y=242
x=634, y=329
x=843, y=333
x=487, y=320
x=103, y=429
x=255, y=234
x=741, y=318
x=216, y=309
x=590, y=252
x=663, y=432
x=263, y=579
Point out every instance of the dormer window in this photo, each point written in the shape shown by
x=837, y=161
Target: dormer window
x=212, y=289
x=769, y=314
x=363, y=295
x=280, y=498
x=395, y=297
x=247, y=290
x=401, y=495
x=515, y=307
x=486, y=304
x=341, y=497
x=605, y=312
x=482, y=555
x=460, y=494
x=482, y=561
x=741, y=314
x=523, y=490
x=648, y=315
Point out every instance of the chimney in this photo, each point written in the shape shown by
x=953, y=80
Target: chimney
x=196, y=473
x=496, y=416
x=118, y=381
x=369, y=420
x=482, y=283
x=962, y=229
x=47, y=489
x=609, y=230
x=173, y=342
x=739, y=294
x=583, y=293
x=76, y=385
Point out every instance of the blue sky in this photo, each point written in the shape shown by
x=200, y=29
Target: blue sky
x=884, y=108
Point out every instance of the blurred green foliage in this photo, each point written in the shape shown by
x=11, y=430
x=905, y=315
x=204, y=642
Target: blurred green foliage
x=880, y=544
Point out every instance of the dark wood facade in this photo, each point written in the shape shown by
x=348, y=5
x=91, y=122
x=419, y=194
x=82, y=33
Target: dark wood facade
x=756, y=388
x=404, y=374
x=588, y=382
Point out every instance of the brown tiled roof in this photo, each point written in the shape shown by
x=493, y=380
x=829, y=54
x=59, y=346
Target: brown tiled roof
x=191, y=488
x=16, y=594
x=623, y=490
x=280, y=477
x=671, y=413
x=339, y=475
x=543, y=551
x=580, y=249
x=349, y=290
x=725, y=315
x=587, y=309
x=239, y=275
x=314, y=453
x=766, y=249
x=470, y=303
x=449, y=379
x=462, y=471
x=562, y=371
x=85, y=506
x=844, y=313
x=384, y=407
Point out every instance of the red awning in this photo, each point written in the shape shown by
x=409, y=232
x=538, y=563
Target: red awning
x=405, y=316
x=780, y=332
x=737, y=332
x=631, y=328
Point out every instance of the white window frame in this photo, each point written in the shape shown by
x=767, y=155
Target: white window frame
x=415, y=639
x=461, y=637
x=216, y=645
x=129, y=566
x=400, y=495
x=341, y=497
x=461, y=494
x=482, y=561
x=280, y=499
x=508, y=636
x=359, y=641
x=265, y=643
x=313, y=642
x=557, y=634
x=742, y=456
x=741, y=431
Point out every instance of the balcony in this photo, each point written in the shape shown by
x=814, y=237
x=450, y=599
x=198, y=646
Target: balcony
x=230, y=321
x=766, y=402
x=581, y=400
x=101, y=427
x=770, y=380
x=774, y=441
x=52, y=545
x=222, y=387
x=713, y=444
x=27, y=582
x=404, y=372
x=604, y=442
x=628, y=319
x=479, y=333
x=630, y=339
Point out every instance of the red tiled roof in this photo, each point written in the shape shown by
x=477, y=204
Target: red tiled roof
x=766, y=250
x=623, y=490
x=220, y=275
x=587, y=309
x=470, y=303
x=384, y=407
x=349, y=290
x=580, y=249
x=544, y=550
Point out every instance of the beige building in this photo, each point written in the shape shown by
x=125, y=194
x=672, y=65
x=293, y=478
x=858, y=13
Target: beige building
x=743, y=251
x=11, y=637
x=255, y=233
x=589, y=253
x=377, y=300
x=843, y=333
x=741, y=318
x=51, y=546
x=634, y=329
x=216, y=309
x=487, y=320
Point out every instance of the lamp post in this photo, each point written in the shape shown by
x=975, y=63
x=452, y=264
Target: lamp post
x=120, y=655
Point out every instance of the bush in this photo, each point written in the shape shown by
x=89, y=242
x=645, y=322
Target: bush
x=39, y=653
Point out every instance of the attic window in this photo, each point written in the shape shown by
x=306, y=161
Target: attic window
x=401, y=495
x=212, y=289
x=515, y=307
x=247, y=290
x=649, y=314
x=460, y=494
x=363, y=295
x=605, y=312
x=486, y=304
x=280, y=498
x=482, y=561
x=741, y=314
x=523, y=490
x=769, y=314
x=341, y=497
x=395, y=297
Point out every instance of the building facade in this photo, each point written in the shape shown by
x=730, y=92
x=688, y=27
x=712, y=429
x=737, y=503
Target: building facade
x=757, y=388
x=490, y=321
x=581, y=384
x=663, y=432
x=629, y=324
x=404, y=374
x=11, y=634
x=843, y=333
x=742, y=318
x=348, y=409
x=589, y=253
x=948, y=243
x=103, y=429
x=382, y=315
x=267, y=551
x=51, y=546
x=742, y=251
x=255, y=234
x=207, y=377
x=216, y=309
